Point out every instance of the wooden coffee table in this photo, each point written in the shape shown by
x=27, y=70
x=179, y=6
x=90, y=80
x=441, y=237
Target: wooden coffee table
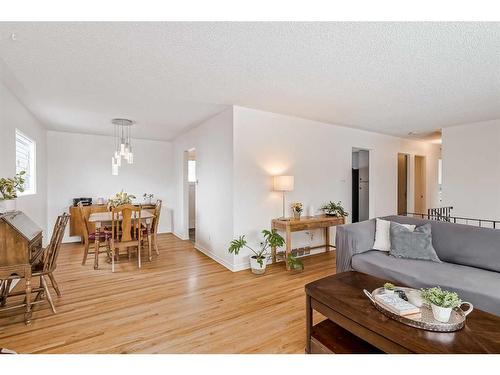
x=355, y=326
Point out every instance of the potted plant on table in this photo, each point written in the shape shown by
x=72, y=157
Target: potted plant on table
x=389, y=288
x=442, y=302
x=334, y=209
x=297, y=209
x=119, y=199
x=9, y=187
x=258, y=260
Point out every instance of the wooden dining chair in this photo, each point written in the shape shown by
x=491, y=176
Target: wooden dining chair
x=89, y=236
x=47, y=266
x=126, y=231
x=154, y=227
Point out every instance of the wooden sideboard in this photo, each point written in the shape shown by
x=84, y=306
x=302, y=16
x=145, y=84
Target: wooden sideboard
x=289, y=225
x=75, y=222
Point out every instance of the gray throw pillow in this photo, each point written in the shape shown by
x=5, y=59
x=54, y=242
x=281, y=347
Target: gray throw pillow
x=412, y=245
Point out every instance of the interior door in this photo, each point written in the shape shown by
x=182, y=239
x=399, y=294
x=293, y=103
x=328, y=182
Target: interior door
x=355, y=195
x=402, y=184
x=419, y=196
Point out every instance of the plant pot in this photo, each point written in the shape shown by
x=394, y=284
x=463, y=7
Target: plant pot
x=388, y=291
x=296, y=215
x=256, y=267
x=7, y=205
x=441, y=314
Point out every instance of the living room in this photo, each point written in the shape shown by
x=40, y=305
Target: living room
x=274, y=187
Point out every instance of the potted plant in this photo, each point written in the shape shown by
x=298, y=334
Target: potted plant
x=294, y=264
x=119, y=199
x=258, y=260
x=389, y=288
x=297, y=210
x=441, y=301
x=334, y=209
x=9, y=187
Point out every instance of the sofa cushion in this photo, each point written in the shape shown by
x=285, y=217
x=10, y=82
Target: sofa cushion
x=383, y=234
x=412, y=244
x=474, y=285
x=461, y=244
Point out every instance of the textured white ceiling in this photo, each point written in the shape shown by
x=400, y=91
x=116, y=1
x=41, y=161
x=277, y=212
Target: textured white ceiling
x=392, y=78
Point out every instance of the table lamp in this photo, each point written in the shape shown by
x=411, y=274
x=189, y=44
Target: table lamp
x=283, y=184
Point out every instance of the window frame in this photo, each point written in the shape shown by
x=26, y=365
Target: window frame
x=32, y=163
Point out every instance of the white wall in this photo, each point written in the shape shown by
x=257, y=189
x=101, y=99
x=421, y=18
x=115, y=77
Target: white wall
x=13, y=114
x=471, y=169
x=79, y=165
x=213, y=140
x=319, y=155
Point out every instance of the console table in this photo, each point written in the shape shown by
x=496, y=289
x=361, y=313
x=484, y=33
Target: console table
x=289, y=225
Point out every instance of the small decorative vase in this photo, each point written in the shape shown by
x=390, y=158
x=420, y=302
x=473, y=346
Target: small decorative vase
x=296, y=215
x=7, y=205
x=256, y=267
x=441, y=314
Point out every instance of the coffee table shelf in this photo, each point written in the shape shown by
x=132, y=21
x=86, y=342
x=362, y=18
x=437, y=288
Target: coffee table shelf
x=330, y=338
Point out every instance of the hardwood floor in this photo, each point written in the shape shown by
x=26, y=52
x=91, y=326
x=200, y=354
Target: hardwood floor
x=182, y=302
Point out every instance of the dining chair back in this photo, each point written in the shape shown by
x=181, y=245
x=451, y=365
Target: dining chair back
x=52, y=251
x=154, y=226
x=125, y=230
x=86, y=225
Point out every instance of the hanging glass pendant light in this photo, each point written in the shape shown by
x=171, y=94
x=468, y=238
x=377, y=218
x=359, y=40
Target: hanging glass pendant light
x=123, y=144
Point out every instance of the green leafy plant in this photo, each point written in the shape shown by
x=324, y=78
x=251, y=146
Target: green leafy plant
x=120, y=198
x=9, y=187
x=271, y=239
x=441, y=298
x=334, y=209
x=294, y=263
x=389, y=286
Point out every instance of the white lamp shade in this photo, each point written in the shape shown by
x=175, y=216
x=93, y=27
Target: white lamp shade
x=283, y=183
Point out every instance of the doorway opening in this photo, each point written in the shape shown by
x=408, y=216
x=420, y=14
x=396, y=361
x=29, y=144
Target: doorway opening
x=420, y=201
x=360, y=184
x=403, y=176
x=192, y=182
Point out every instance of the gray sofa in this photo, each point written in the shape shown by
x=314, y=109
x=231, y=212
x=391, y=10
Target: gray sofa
x=470, y=255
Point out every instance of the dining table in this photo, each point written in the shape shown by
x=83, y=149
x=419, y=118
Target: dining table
x=101, y=219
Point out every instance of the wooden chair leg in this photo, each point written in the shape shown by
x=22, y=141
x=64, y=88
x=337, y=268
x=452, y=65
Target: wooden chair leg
x=28, y=312
x=54, y=284
x=47, y=294
x=112, y=258
x=155, y=238
x=139, y=255
x=85, y=253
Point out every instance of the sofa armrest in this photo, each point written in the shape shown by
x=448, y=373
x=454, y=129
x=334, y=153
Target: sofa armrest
x=353, y=239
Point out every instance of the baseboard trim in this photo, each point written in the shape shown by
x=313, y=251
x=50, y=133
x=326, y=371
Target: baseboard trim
x=180, y=236
x=215, y=257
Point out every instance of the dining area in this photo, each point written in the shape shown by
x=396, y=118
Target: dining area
x=122, y=228
x=114, y=236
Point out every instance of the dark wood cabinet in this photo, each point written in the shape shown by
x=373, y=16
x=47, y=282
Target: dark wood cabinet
x=20, y=240
x=20, y=250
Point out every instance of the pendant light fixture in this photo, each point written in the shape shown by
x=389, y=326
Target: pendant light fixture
x=123, y=144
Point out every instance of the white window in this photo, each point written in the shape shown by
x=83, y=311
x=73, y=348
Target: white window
x=191, y=170
x=25, y=161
